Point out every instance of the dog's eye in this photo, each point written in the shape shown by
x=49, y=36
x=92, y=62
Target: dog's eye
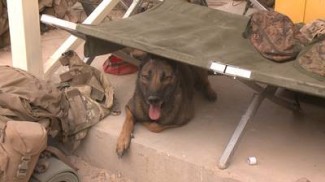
x=167, y=78
x=146, y=77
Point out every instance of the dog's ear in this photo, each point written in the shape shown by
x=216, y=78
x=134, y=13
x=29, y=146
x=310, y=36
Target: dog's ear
x=144, y=60
x=175, y=65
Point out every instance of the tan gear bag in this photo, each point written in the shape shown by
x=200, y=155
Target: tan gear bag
x=20, y=146
x=90, y=96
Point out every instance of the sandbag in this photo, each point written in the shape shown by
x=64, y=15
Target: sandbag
x=20, y=147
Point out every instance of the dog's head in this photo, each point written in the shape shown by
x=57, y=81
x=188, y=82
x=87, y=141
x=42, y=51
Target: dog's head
x=157, y=80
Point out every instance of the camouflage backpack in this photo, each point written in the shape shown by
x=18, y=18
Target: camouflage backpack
x=66, y=112
x=90, y=97
x=21, y=143
x=30, y=110
x=273, y=35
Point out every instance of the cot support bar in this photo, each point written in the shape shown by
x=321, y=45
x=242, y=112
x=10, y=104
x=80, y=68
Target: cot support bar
x=250, y=112
x=292, y=105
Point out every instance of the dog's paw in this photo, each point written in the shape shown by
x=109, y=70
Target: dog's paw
x=122, y=145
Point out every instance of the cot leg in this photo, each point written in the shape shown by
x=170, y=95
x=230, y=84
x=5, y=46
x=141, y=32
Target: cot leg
x=250, y=112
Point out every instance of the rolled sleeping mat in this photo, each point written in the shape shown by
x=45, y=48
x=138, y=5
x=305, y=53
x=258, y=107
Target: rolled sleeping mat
x=57, y=171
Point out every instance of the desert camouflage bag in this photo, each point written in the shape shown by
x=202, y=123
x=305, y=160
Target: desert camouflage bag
x=89, y=93
x=24, y=97
x=67, y=111
x=312, y=60
x=84, y=97
x=273, y=35
x=30, y=110
x=314, y=30
x=21, y=143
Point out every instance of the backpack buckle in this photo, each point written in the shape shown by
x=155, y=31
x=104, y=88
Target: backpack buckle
x=23, y=166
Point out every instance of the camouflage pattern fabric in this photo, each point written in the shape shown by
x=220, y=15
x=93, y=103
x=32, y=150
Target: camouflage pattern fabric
x=274, y=35
x=312, y=59
x=314, y=29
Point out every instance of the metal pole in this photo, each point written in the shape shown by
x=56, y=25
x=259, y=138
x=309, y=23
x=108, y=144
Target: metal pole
x=250, y=112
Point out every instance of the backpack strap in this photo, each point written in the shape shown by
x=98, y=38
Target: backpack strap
x=60, y=155
x=97, y=92
x=77, y=106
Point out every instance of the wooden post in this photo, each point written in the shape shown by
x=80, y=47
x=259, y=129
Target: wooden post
x=25, y=35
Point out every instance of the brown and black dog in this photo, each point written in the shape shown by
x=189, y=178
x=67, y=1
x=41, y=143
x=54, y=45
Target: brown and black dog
x=163, y=97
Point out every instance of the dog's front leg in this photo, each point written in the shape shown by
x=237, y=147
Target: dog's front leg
x=124, y=139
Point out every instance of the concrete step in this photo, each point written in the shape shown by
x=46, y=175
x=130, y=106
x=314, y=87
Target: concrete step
x=287, y=146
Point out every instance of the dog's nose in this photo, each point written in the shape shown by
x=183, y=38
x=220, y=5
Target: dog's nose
x=153, y=99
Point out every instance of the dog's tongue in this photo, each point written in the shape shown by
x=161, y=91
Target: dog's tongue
x=154, y=112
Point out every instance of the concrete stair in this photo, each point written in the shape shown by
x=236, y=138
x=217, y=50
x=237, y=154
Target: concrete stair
x=287, y=146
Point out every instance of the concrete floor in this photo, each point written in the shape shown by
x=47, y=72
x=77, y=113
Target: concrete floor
x=287, y=146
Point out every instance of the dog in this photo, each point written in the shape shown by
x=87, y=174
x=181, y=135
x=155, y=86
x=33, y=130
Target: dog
x=163, y=97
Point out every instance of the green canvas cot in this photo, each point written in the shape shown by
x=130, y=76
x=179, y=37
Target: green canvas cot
x=203, y=37
x=195, y=35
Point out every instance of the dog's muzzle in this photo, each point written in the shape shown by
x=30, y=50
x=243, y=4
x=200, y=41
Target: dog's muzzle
x=154, y=100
